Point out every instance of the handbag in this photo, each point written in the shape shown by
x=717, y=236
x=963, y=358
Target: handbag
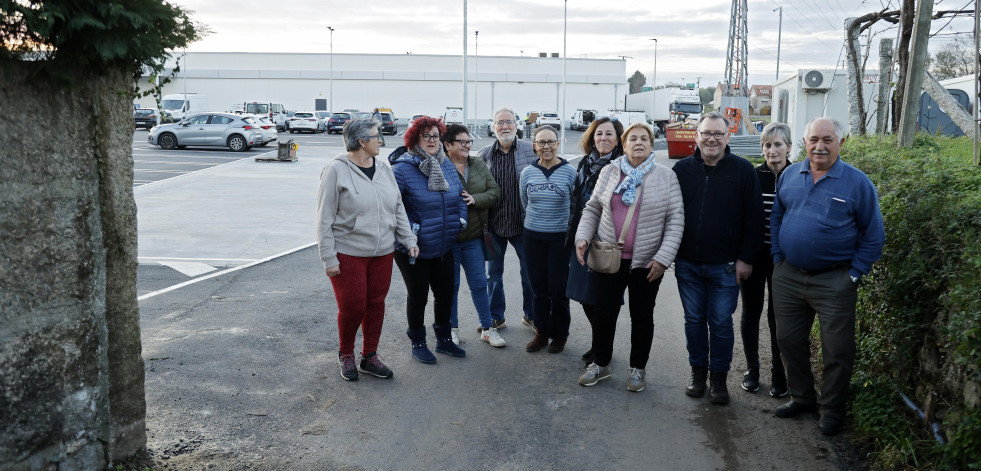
x=491, y=249
x=605, y=257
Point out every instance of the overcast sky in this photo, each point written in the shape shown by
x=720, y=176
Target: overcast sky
x=691, y=35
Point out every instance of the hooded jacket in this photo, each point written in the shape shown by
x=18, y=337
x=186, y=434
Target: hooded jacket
x=441, y=215
x=358, y=216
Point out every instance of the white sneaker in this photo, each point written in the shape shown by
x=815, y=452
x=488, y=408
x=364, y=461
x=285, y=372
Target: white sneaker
x=455, y=336
x=594, y=374
x=492, y=337
x=636, y=382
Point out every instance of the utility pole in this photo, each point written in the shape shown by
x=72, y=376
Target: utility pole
x=330, y=106
x=654, y=80
x=914, y=73
x=779, y=33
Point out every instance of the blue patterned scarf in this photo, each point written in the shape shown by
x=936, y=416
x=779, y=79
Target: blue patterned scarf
x=635, y=176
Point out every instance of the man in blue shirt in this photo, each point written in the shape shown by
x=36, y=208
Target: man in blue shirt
x=826, y=231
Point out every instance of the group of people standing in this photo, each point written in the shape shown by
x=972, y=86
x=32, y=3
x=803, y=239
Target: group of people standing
x=805, y=232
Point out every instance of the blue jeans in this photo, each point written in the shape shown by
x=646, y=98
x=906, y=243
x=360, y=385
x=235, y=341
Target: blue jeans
x=709, y=294
x=470, y=254
x=495, y=278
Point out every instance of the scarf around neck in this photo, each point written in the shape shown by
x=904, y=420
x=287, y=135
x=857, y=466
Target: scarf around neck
x=430, y=166
x=635, y=176
x=594, y=163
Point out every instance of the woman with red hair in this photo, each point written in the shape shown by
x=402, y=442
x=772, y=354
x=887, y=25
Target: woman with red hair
x=434, y=202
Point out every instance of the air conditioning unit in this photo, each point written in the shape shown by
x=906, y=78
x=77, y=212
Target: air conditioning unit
x=817, y=80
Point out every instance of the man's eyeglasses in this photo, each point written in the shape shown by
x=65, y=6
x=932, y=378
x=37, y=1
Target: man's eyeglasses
x=464, y=142
x=713, y=135
x=548, y=143
x=430, y=137
x=507, y=122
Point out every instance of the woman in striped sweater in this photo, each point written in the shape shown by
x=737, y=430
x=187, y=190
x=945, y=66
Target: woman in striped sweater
x=546, y=191
x=650, y=245
x=775, y=140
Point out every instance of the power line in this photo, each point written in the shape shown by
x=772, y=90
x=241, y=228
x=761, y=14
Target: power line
x=803, y=28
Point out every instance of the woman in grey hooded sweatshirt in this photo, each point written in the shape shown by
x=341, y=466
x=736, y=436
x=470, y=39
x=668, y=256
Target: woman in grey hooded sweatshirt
x=359, y=216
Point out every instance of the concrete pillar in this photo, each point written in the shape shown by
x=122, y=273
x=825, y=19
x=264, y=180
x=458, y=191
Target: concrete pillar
x=882, y=120
x=67, y=271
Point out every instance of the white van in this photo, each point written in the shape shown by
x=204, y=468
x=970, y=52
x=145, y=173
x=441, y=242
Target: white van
x=274, y=111
x=180, y=105
x=453, y=114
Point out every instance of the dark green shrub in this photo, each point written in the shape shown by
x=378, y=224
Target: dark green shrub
x=919, y=320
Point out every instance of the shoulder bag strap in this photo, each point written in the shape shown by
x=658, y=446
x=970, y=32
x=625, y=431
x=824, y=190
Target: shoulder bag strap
x=629, y=218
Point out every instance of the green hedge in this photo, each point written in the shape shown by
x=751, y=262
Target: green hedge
x=919, y=319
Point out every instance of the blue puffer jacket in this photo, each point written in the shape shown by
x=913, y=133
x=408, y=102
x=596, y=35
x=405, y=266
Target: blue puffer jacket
x=439, y=214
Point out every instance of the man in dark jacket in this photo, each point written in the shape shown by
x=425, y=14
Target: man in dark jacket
x=723, y=231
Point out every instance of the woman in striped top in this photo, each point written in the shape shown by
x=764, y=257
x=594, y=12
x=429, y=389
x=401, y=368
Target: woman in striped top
x=775, y=140
x=546, y=191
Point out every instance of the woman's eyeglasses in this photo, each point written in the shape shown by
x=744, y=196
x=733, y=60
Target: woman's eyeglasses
x=464, y=142
x=548, y=143
x=430, y=137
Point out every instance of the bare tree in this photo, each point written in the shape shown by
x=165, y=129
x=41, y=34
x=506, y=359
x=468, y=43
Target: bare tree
x=954, y=59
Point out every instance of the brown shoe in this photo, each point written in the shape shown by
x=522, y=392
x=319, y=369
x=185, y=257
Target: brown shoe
x=557, y=346
x=537, y=343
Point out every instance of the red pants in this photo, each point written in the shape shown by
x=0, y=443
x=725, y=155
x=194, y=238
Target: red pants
x=360, y=290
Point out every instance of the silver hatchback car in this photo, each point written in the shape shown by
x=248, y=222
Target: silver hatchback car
x=238, y=133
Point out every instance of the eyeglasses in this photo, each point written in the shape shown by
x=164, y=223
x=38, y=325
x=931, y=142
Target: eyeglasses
x=430, y=137
x=713, y=135
x=373, y=136
x=504, y=123
x=548, y=143
x=464, y=142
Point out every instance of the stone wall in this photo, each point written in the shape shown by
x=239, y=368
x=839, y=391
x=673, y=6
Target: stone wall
x=72, y=390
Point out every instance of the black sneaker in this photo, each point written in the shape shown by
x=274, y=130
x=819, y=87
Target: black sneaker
x=372, y=364
x=751, y=380
x=348, y=371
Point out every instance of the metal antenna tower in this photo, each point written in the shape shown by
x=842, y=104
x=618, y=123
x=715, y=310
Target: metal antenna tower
x=736, y=68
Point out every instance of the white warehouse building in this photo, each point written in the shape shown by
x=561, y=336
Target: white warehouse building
x=408, y=84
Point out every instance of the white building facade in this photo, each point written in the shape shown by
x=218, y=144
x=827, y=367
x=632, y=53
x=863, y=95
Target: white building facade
x=408, y=84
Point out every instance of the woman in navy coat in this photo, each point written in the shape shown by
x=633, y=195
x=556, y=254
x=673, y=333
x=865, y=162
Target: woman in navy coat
x=433, y=199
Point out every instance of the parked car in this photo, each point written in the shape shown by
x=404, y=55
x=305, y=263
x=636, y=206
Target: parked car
x=415, y=117
x=268, y=129
x=146, y=118
x=388, y=125
x=285, y=126
x=238, y=133
x=322, y=117
x=549, y=118
x=336, y=122
x=303, y=121
x=490, y=128
x=362, y=114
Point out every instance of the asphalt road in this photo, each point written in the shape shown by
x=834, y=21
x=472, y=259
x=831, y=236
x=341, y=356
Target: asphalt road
x=241, y=369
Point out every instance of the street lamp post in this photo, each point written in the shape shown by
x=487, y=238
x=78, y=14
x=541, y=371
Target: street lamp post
x=476, y=54
x=779, y=31
x=330, y=105
x=654, y=88
x=565, y=21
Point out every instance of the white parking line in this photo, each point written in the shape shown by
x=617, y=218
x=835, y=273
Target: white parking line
x=230, y=270
x=206, y=169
